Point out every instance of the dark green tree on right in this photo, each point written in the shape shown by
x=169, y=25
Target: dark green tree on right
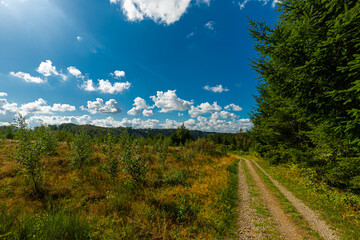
x=308, y=106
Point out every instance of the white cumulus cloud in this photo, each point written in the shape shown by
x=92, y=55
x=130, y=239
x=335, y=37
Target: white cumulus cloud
x=161, y=11
x=98, y=106
x=233, y=107
x=75, y=72
x=105, y=86
x=204, y=108
x=119, y=74
x=217, y=89
x=3, y=94
x=169, y=101
x=28, y=78
x=147, y=113
x=139, y=104
x=47, y=69
x=40, y=107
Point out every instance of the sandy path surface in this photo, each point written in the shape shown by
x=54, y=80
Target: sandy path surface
x=310, y=216
x=284, y=225
x=247, y=229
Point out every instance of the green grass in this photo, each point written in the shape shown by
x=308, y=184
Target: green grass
x=337, y=208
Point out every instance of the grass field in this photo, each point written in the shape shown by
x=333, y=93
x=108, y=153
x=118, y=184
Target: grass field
x=186, y=194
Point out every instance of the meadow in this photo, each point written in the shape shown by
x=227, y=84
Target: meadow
x=121, y=188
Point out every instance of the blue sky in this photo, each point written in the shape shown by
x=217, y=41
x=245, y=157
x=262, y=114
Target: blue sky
x=135, y=63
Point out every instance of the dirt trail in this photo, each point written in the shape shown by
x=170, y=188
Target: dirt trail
x=247, y=229
x=285, y=226
x=314, y=221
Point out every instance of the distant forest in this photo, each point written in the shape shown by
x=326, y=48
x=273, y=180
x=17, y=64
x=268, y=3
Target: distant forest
x=65, y=132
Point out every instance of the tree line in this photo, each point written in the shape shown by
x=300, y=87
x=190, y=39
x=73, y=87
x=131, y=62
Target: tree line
x=308, y=102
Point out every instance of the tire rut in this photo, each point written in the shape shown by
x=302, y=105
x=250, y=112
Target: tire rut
x=246, y=227
x=285, y=226
x=309, y=215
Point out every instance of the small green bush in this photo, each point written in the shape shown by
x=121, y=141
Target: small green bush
x=29, y=154
x=82, y=149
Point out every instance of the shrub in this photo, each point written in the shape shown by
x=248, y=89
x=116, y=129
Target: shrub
x=82, y=149
x=111, y=165
x=48, y=138
x=29, y=154
x=134, y=163
x=204, y=147
x=175, y=177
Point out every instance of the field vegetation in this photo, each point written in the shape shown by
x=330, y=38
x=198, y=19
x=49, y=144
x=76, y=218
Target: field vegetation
x=174, y=187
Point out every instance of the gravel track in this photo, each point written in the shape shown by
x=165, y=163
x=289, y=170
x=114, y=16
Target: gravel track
x=309, y=215
x=284, y=225
x=247, y=229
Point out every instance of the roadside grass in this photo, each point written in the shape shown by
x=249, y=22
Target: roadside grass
x=337, y=208
x=187, y=195
x=265, y=224
x=288, y=208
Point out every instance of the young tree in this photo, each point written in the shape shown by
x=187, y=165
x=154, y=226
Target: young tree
x=48, y=138
x=29, y=154
x=111, y=165
x=82, y=149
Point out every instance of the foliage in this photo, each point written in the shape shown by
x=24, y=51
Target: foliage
x=50, y=225
x=186, y=194
x=181, y=136
x=82, y=149
x=111, y=165
x=48, y=138
x=204, y=147
x=29, y=155
x=134, y=163
x=308, y=105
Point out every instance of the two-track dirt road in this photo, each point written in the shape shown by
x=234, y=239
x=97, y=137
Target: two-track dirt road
x=250, y=226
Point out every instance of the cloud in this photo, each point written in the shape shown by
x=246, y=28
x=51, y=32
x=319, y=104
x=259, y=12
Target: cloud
x=7, y=110
x=57, y=107
x=217, y=89
x=139, y=104
x=275, y=2
x=170, y=124
x=265, y=2
x=28, y=78
x=75, y=72
x=169, y=101
x=47, y=69
x=160, y=11
x=210, y=25
x=204, y=108
x=88, y=86
x=105, y=86
x=180, y=114
x=119, y=74
x=219, y=125
x=79, y=38
x=4, y=3
x=223, y=115
x=190, y=35
x=56, y=120
x=3, y=94
x=40, y=107
x=242, y=5
x=147, y=113
x=199, y=2
x=233, y=107
x=98, y=106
